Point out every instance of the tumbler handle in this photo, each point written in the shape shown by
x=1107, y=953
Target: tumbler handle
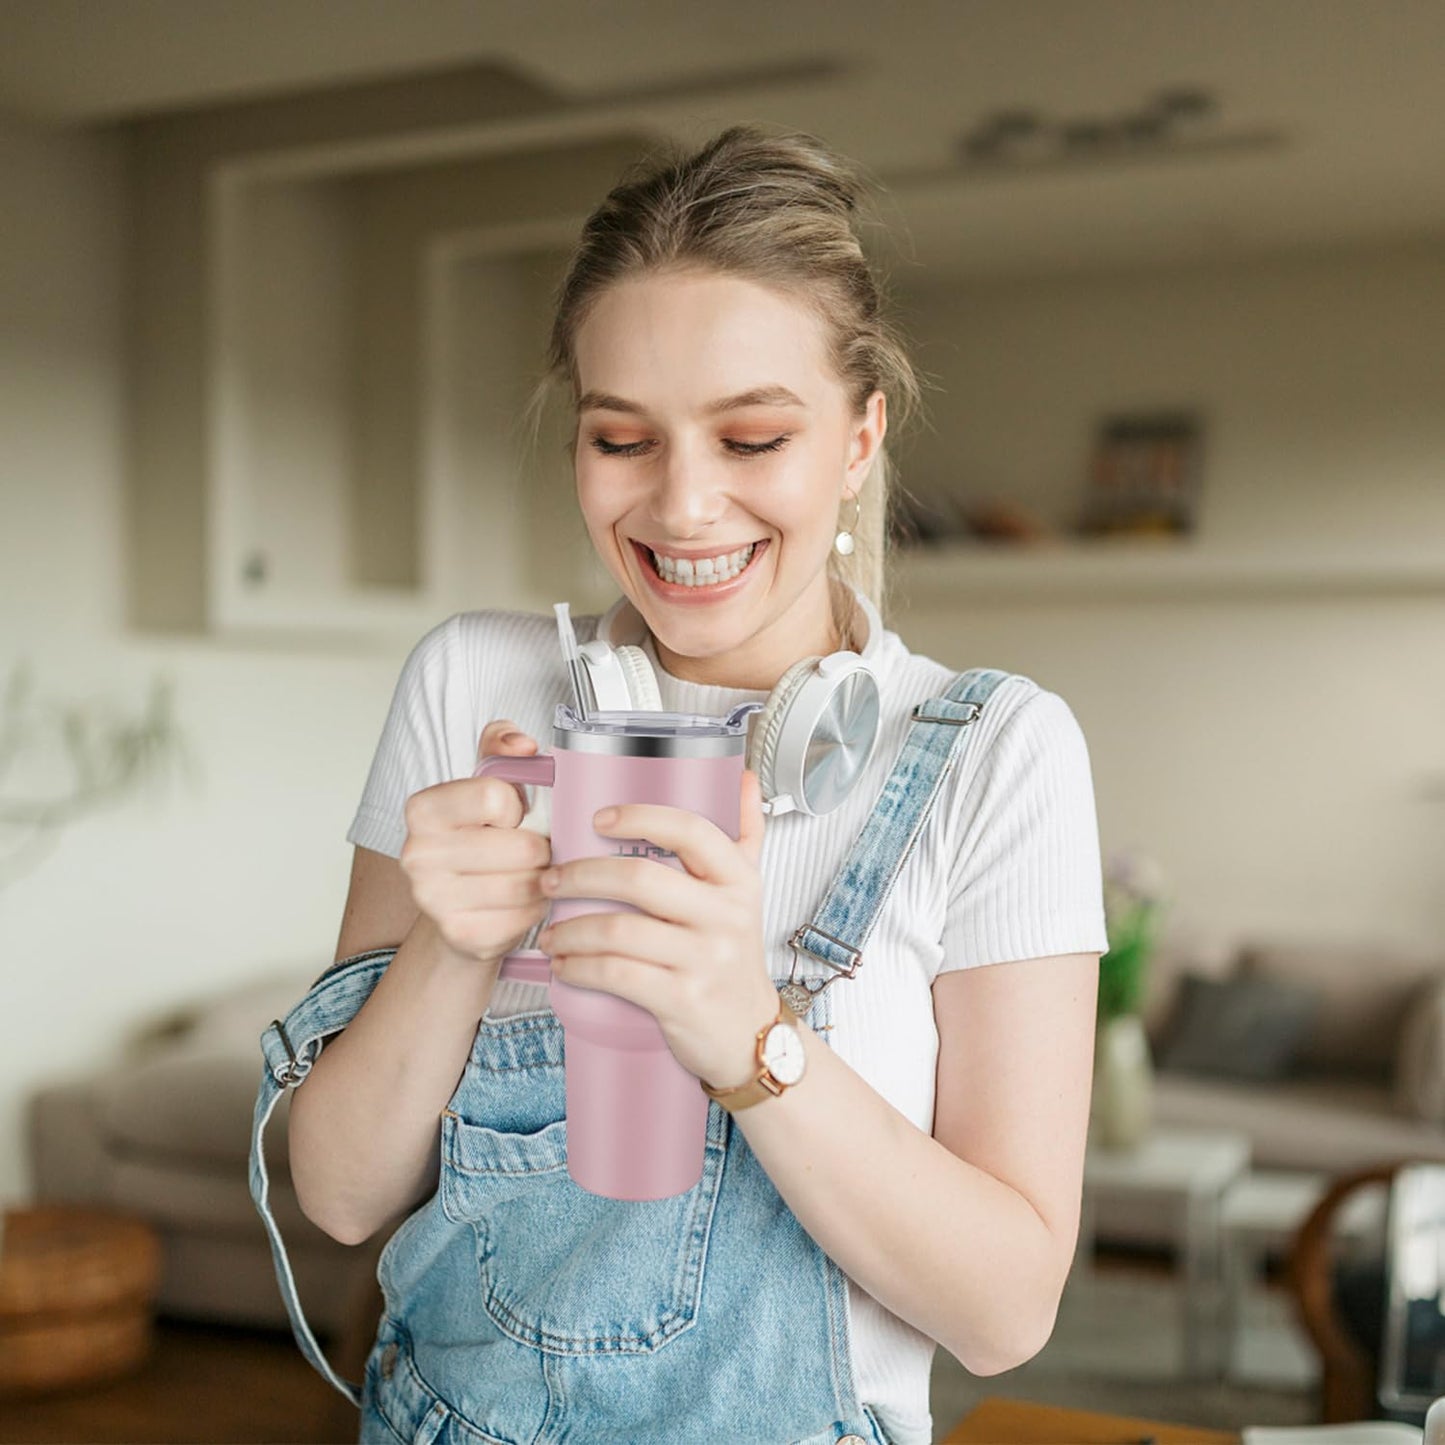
x=530, y=965
x=540, y=770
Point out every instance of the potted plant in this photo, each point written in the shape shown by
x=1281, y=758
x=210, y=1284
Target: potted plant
x=109, y=759
x=1122, y=1103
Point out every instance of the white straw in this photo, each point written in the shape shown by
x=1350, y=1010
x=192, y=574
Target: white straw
x=570, y=653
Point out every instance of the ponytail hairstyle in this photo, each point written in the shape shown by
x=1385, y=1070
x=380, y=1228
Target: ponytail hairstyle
x=776, y=210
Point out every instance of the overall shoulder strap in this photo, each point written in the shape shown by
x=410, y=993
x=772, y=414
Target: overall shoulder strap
x=290, y=1047
x=936, y=738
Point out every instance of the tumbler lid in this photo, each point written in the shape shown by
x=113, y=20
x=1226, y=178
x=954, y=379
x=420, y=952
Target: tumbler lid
x=637, y=733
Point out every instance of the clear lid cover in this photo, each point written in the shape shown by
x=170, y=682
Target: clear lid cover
x=640, y=723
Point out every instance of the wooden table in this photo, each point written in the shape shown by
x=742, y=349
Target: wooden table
x=996, y=1421
x=76, y=1291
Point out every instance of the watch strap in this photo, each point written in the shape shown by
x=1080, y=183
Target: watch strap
x=764, y=1085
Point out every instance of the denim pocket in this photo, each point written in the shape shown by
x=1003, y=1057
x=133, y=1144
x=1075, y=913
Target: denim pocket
x=567, y=1271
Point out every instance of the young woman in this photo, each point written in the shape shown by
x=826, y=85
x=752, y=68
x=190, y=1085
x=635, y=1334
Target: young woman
x=722, y=345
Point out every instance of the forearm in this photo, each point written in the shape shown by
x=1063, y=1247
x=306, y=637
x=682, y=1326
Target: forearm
x=365, y=1126
x=949, y=1248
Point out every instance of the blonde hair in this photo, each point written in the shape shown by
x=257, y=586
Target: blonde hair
x=777, y=210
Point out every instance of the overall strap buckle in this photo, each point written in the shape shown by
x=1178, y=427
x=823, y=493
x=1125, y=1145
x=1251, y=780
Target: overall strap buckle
x=798, y=943
x=290, y=1073
x=920, y=714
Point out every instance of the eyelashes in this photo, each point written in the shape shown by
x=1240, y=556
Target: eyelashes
x=741, y=449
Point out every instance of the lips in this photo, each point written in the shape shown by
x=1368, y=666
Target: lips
x=694, y=596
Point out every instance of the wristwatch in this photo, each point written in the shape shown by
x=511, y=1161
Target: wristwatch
x=781, y=1063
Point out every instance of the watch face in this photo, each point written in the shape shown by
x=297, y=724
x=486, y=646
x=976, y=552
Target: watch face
x=783, y=1053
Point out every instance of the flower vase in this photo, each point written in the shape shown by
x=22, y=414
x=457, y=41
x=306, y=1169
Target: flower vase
x=1122, y=1107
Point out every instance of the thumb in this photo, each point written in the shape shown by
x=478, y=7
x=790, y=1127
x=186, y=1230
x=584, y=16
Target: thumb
x=503, y=738
x=752, y=819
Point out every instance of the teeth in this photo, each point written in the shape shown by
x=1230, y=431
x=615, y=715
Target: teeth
x=708, y=571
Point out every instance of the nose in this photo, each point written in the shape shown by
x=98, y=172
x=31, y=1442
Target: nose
x=690, y=494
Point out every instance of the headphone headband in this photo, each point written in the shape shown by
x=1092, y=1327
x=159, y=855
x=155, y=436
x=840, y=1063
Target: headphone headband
x=815, y=735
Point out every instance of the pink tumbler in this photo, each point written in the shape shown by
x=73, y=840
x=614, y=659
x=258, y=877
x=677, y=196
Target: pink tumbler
x=636, y=1119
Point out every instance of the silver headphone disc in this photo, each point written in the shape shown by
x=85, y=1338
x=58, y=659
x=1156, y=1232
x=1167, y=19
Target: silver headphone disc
x=842, y=742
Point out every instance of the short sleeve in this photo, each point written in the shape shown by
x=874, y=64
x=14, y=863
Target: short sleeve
x=425, y=732
x=1025, y=877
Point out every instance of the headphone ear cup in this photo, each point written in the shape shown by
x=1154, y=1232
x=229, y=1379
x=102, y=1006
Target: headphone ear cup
x=641, y=680
x=768, y=727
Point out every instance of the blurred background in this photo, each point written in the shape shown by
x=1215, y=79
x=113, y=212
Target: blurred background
x=274, y=284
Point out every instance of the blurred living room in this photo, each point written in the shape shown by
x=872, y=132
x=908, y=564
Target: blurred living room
x=276, y=285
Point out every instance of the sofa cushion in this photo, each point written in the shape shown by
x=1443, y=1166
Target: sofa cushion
x=1365, y=990
x=1241, y=1028
x=190, y=1104
x=1184, y=951
x=233, y=1021
x=190, y=1093
x=1326, y=1125
x=182, y=1195
x=1420, y=1062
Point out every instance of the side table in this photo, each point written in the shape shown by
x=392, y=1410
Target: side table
x=76, y=1291
x=1187, y=1171
x=1261, y=1213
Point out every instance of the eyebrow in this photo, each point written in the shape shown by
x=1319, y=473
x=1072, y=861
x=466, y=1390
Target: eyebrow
x=759, y=396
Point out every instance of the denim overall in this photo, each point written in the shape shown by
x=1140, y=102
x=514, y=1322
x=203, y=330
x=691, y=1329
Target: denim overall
x=521, y=1309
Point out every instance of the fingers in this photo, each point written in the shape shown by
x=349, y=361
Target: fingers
x=469, y=850
x=704, y=850
x=473, y=870
x=475, y=802
x=622, y=935
x=440, y=893
x=655, y=888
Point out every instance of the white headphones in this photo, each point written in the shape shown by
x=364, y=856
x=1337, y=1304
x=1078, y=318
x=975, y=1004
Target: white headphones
x=815, y=734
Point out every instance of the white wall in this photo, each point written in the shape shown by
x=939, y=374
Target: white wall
x=1282, y=757
x=168, y=897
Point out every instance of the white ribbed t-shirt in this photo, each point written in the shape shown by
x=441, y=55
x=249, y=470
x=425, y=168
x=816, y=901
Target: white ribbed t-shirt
x=1006, y=867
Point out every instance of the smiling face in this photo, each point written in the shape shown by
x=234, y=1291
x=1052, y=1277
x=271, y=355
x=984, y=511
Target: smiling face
x=659, y=469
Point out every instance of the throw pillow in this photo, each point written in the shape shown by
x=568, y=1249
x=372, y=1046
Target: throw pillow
x=1238, y=1028
x=1365, y=989
x=1420, y=1059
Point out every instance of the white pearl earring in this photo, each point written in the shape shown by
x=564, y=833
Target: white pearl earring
x=843, y=542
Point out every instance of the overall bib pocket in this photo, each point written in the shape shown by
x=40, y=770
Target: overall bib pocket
x=566, y=1271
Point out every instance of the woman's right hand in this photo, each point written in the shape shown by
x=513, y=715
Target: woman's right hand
x=473, y=869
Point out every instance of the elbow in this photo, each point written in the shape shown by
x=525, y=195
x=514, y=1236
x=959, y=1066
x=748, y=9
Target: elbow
x=1008, y=1351
x=1002, y=1359
x=330, y=1222
x=322, y=1206
x=346, y=1231
x=1021, y=1331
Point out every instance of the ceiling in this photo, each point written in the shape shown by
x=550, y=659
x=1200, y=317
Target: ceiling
x=1328, y=129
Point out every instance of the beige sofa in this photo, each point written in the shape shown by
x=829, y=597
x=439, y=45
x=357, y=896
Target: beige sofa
x=167, y=1133
x=1359, y=1092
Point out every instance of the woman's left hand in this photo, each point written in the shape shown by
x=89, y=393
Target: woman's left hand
x=693, y=957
